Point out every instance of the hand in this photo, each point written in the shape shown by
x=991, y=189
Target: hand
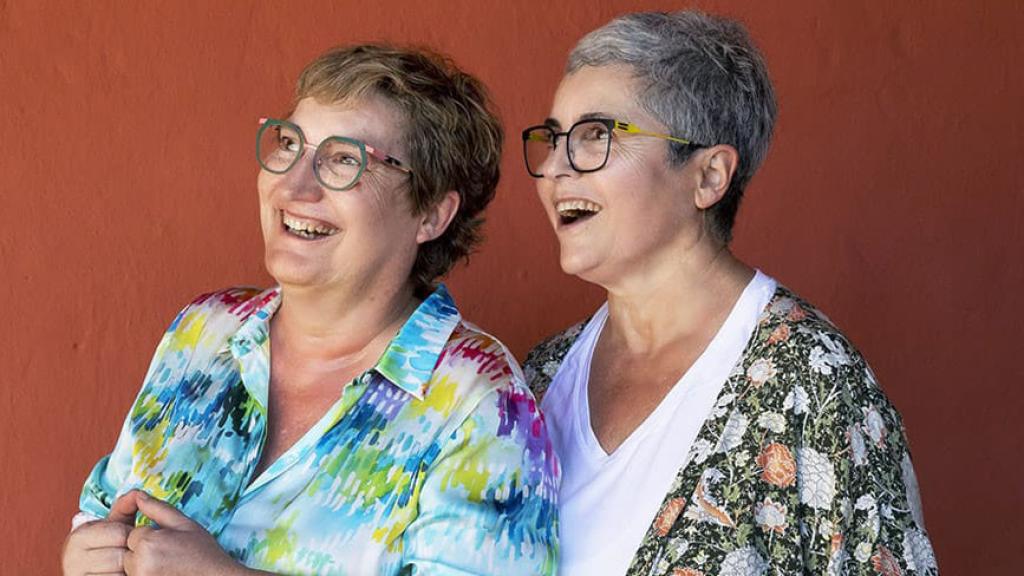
x=178, y=546
x=98, y=547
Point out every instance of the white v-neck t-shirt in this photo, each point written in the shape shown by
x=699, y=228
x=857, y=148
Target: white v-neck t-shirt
x=608, y=501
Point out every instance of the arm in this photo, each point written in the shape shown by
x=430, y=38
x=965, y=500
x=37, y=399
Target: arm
x=856, y=484
x=488, y=502
x=98, y=540
x=108, y=478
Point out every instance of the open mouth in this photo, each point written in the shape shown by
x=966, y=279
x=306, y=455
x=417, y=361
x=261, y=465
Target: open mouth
x=306, y=229
x=573, y=211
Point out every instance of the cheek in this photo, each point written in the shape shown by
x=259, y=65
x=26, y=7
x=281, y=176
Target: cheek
x=263, y=197
x=378, y=205
x=263, y=188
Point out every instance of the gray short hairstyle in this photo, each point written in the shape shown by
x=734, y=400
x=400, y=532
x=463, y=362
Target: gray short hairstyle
x=703, y=78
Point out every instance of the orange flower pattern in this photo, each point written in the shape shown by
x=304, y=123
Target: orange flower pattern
x=667, y=517
x=778, y=467
x=884, y=562
x=780, y=334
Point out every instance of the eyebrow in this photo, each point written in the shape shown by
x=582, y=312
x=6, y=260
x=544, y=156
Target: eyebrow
x=553, y=123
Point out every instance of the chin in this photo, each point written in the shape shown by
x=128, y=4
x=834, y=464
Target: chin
x=285, y=269
x=576, y=265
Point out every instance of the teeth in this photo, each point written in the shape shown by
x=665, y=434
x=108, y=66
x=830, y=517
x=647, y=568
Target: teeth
x=306, y=228
x=576, y=207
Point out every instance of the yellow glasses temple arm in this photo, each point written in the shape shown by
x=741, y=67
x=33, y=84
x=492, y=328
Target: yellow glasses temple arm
x=633, y=129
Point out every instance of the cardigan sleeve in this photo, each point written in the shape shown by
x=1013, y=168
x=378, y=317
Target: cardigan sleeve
x=859, y=507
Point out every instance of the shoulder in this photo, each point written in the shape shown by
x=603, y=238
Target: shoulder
x=543, y=361
x=796, y=324
x=478, y=376
x=800, y=364
x=220, y=312
x=472, y=365
x=239, y=302
x=798, y=342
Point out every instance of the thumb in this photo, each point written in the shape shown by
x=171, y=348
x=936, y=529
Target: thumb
x=165, y=515
x=124, y=508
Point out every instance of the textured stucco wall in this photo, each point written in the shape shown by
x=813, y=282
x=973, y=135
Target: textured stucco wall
x=891, y=198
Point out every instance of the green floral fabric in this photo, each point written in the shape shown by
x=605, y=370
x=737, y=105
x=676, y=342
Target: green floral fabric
x=802, y=466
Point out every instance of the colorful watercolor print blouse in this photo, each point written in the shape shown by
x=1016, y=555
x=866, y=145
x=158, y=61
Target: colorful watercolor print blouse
x=801, y=468
x=436, y=461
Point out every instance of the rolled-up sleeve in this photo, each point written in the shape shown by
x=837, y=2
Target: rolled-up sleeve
x=109, y=476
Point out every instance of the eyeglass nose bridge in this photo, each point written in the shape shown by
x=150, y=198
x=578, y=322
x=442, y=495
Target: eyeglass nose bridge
x=303, y=175
x=295, y=170
x=554, y=155
x=315, y=163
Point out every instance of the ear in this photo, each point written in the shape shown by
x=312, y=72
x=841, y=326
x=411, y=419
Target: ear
x=435, y=220
x=717, y=166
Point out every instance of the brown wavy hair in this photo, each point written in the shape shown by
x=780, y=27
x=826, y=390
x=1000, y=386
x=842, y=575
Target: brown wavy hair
x=453, y=136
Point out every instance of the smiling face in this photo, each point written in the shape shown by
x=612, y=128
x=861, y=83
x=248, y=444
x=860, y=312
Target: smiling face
x=637, y=209
x=350, y=240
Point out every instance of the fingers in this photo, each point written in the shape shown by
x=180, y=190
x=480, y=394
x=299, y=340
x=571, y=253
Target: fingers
x=124, y=508
x=105, y=560
x=165, y=515
x=137, y=536
x=96, y=547
x=101, y=534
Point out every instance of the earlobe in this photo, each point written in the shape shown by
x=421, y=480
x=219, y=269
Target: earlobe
x=717, y=168
x=435, y=220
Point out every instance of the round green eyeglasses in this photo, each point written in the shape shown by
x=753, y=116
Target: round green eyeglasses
x=338, y=161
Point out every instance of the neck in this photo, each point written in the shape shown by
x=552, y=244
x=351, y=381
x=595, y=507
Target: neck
x=675, y=295
x=327, y=326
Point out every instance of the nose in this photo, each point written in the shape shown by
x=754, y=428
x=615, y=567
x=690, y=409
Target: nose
x=557, y=163
x=300, y=183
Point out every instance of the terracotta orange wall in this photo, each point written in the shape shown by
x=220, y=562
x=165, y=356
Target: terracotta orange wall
x=891, y=198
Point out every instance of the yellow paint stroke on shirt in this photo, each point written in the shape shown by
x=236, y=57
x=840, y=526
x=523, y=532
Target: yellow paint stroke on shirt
x=150, y=449
x=279, y=542
x=440, y=398
x=471, y=469
x=188, y=332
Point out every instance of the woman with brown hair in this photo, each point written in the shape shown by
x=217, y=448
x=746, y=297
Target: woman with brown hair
x=347, y=420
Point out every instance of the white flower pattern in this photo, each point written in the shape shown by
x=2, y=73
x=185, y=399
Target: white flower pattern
x=796, y=400
x=863, y=552
x=917, y=551
x=874, y=426
x=761, y=371
x=816, y=478
x=772, y=421
x=700, y=450
x=770, y=516
x=732, y=435
x=857, y=448
x=743, y=562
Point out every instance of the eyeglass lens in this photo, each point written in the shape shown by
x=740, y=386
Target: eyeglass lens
x=587, y=148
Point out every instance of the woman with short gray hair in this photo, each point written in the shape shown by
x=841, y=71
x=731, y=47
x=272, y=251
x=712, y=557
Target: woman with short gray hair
x=708, y=420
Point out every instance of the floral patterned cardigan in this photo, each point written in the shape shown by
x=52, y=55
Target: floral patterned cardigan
x=802, y=466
